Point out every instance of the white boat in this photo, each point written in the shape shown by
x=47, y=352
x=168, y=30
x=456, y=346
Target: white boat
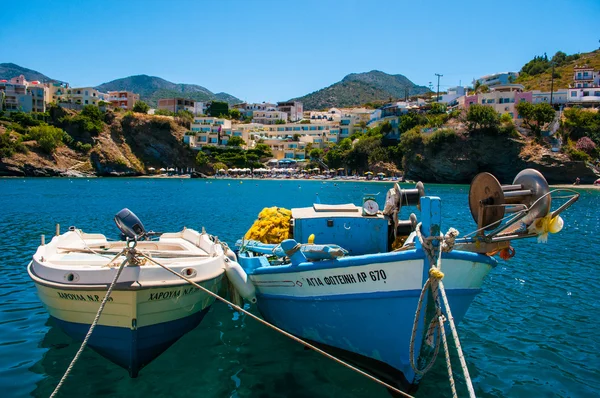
x=149, y=308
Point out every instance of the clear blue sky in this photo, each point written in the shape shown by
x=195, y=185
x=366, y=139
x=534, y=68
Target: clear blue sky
x=276, y=50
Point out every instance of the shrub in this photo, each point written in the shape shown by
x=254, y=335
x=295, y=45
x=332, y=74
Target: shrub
x=47, y=137
x=411, y=140
x=436, y=141
x=24, y=119
x=85, y=148
x=163, y=112
x=575, y=154
x=586, y=145
x=201, y=159
x=506, y=118
x=141, y=107
x=9, y=144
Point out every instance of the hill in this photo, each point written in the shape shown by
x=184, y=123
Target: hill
x=358, y=88
x=563, y=74
x=10, y=70
x=152, y=88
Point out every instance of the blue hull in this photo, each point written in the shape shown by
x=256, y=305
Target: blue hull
x=133, y=349
x=373, y=328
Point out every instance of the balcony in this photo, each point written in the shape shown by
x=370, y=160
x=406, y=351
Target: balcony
x=584, y=78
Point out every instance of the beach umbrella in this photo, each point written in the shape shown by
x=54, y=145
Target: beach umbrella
x=221, y=170
x=380, y=174
x=340, y=169
x=163, y=169
x=151, y=169
x=368, y=172
x=171, y=169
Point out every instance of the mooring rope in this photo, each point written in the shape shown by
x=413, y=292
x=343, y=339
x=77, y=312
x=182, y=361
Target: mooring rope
x=434, y=282
x=291, y=336
x=94, y=323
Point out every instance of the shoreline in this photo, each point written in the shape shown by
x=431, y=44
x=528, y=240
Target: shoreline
x=210, y=178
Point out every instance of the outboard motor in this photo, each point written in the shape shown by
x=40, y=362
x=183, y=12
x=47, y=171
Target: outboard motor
x=130, y=225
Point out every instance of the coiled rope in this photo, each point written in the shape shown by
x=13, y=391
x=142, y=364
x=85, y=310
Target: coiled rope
x=130, y=252
x=291, y=336
x=434, y=282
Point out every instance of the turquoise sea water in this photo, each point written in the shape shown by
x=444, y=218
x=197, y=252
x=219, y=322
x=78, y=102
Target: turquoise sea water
x=532, y=332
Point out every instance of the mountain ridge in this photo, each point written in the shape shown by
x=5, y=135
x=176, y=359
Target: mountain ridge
x=150, y=88
x=359, y=88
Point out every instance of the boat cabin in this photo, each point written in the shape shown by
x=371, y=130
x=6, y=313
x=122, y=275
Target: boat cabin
x=345, y=225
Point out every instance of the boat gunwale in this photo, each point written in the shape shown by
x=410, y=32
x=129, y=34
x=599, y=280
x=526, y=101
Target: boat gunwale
x=366, y=259
x=119, y=286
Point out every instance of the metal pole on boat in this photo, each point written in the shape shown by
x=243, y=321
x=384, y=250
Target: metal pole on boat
x=57, y=229
x=43, y=239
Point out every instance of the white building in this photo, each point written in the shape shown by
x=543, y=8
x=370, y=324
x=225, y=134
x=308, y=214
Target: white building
x=294, y=110
x=497, y=79
x=268, y=117
x=453, y=94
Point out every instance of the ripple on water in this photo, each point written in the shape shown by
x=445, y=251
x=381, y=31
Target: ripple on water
x=532, y=332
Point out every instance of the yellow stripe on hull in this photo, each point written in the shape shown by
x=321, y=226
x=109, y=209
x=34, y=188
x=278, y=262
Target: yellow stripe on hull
x=128, y=308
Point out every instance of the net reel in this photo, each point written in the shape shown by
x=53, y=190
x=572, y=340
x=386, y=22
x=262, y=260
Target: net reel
x=489, y=201
x=395, y=199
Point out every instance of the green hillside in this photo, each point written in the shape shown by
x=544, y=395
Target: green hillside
x=359, y=88
x=563, y=74
x=10, y=70
x=152, y=88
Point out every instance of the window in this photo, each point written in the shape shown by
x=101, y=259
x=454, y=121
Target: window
x=597, y=93
x=586, y=93
x=86, y=101
x=573, y=93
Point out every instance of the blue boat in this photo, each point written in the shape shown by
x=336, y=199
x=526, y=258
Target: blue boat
x=349, y=279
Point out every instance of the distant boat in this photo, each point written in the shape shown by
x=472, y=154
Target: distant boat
x=354, y=288
x=149, y=308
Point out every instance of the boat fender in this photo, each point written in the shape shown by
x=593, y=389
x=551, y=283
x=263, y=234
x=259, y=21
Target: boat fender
x=240, y=280
x=230, y=254
x=311, y=239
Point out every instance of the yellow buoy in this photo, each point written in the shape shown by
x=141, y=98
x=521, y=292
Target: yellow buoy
x=556, y=225
x=311, y=238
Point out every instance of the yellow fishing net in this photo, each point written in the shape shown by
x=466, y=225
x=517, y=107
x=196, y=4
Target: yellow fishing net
x=272, y=226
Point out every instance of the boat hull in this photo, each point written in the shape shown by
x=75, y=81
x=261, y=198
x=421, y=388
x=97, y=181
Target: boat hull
x=137, y=325
x=364, y=306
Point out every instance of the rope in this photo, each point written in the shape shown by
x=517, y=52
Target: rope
x=434, y=282
x=291, y=336
x=93, y=325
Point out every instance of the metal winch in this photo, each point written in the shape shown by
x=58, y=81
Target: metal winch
x=489, y=201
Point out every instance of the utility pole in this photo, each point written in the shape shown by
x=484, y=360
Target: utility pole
x=438, y=87
x=552, y=84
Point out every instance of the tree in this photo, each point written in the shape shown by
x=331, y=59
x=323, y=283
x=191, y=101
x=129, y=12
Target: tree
x=141, y=107
x=535, y=116
x=217, y=108
x=236, y=141
x=201, y=159
x=582, y=123
x=484, y=89
x=235, y=114
x=481, y=116
x=437, y=108
x=410, y=120
x=316, y=153
x=505, y=118
x=280, y=121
